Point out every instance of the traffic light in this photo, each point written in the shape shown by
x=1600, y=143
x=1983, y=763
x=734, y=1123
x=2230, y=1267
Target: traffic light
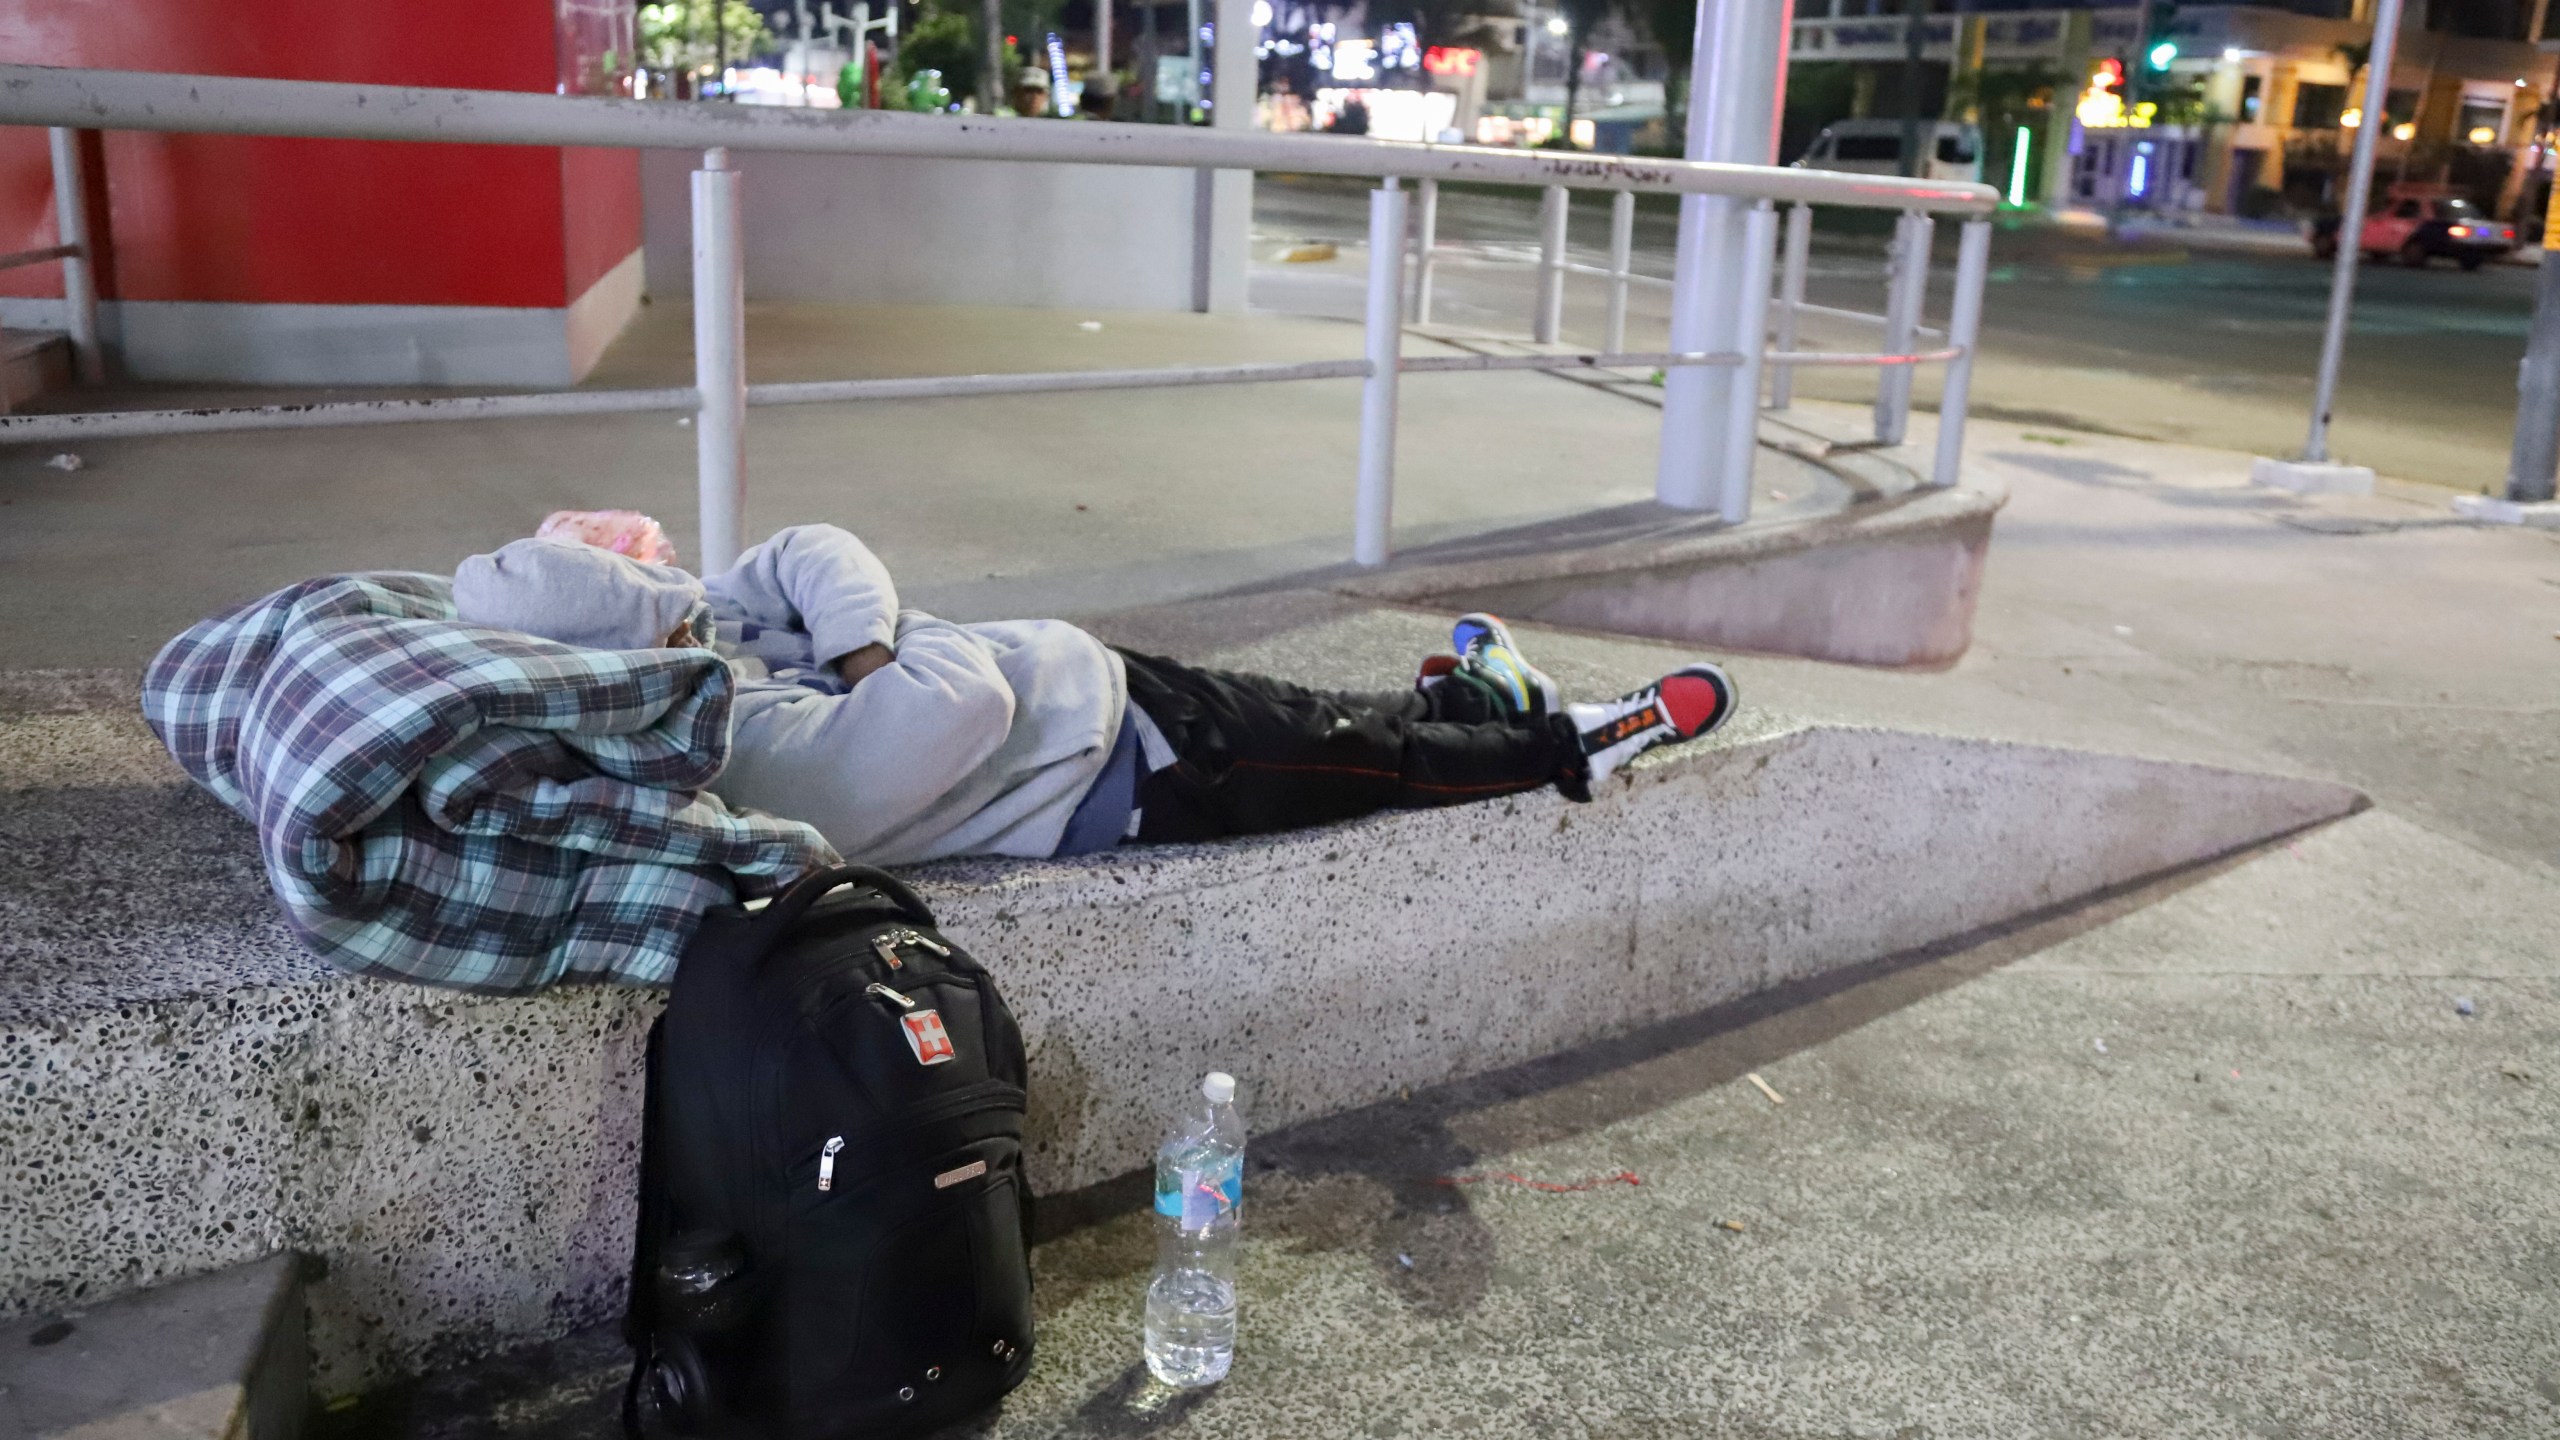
x=2161, y=34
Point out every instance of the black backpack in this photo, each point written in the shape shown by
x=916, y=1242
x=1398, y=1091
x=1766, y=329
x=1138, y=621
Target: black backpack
x=834, y=1234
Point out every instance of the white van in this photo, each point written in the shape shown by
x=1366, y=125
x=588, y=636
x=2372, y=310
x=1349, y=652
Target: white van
x=1953, y=150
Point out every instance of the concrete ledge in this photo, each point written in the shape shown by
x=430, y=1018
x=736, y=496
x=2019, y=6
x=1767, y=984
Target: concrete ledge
x=464, y=1166
x=2306, y=477
x=216, y=1357
x=2489, y=510
x=1885, y=582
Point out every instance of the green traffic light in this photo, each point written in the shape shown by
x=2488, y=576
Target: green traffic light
x=2163, y=53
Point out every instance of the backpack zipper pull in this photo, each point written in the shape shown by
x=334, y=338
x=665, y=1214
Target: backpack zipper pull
x=827, y=1162
x=887, y=947
x=928, y=942
x=902, y=1001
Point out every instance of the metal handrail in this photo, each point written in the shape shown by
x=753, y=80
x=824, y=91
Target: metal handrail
x=232, y=105
x=70, y=100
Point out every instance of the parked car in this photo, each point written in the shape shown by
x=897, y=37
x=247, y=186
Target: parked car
x=1953, y=150
x=2418, y=228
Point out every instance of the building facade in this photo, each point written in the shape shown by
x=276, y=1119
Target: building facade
x=2246, y=109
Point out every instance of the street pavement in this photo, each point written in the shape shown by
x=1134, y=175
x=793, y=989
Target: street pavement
x=2159, y=337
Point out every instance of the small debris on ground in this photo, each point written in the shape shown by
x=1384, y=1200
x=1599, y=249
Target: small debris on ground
x=2514, y=1071
x=2462, y=1005
x=1623, y=1177
x=1309, y=253
x=1733, y=1225
x=2046, y=439
x=1404, y=1260
x=1088, y=325
x=66, y=462
x=1777, y=494
x=2101, y=1043
x=1774, y=1097
x=2124, y=629
x=684, y=422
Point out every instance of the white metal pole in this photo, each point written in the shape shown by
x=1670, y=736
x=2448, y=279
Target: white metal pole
x=1622, y=249
x=1733, y=101
x=1782, y=379
x=1101, y=56
x=2342, y=276
x=1548, y=324
x=79, y=272
x=1426, y=236
x=1751, y=322
x=720, y=356
x=1964, y=327
x=1904, y=301
x=1374, y=515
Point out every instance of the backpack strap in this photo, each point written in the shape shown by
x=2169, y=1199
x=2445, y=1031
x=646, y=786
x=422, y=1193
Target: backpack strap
x=809, y=889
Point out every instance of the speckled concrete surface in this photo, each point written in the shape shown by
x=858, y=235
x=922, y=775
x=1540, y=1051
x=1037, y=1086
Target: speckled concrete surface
x=2175, y=1164
x=188, y=1090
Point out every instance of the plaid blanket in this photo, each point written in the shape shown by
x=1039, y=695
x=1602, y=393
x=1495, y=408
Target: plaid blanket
x=464, y=807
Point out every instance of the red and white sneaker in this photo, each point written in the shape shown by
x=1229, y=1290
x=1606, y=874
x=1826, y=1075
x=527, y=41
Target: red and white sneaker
x=1683, y=705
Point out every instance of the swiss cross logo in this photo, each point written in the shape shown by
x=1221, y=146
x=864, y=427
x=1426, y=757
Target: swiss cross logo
x=927, y=1038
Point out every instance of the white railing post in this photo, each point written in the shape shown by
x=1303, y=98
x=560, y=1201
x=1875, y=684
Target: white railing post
x=1782, y=377
x=1373, y=516
x=1964, y=326
x=1549, y=321
x=720, y=357
x=1904, y=297
x=79, y=272
x=1622, y=249
x=1426, y=236
x=1750, y=334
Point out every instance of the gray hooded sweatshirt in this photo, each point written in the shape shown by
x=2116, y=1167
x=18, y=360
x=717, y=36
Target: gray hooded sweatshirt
x=975, y=740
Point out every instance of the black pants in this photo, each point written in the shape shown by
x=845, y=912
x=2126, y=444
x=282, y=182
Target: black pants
x=1256, y=754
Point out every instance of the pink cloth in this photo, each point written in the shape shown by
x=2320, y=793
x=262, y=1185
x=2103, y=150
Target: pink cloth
x=624, y=532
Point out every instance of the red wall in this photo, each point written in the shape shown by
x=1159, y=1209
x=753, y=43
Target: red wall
x=202, y=217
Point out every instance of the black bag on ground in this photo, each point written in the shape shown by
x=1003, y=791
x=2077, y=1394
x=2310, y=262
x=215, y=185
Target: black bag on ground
x=834, y=1228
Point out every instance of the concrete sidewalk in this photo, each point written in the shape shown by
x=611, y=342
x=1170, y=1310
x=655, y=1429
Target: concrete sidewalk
x=983, y=507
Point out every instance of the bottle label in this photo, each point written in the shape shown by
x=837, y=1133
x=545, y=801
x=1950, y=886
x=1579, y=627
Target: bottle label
x=1198, y=1197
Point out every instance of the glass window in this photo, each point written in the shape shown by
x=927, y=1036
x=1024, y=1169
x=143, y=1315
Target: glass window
x=1953, y=149
x=1867, y=147
x=2478, y=115
x=2405, y=210
x=2317, y=107
x=2252, y=97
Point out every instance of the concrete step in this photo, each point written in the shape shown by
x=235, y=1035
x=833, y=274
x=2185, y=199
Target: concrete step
x=189, y=1090
x=32, y=364
x=215, y=1357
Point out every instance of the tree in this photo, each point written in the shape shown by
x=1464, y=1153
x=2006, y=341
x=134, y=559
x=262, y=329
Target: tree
x=677, y=36
x=1580, y=18
x=945, y=42
x=1674, y=24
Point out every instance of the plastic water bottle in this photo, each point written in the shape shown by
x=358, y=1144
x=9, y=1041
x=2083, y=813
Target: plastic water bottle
x=1191, y=1303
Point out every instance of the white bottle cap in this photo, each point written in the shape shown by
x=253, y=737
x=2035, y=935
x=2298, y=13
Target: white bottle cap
x=1220, y=1087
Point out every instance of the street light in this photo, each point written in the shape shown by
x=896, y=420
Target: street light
x=1556, y=25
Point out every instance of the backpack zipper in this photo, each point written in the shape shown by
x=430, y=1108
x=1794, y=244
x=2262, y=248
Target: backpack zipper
x=982, y=1095
x=875, y=988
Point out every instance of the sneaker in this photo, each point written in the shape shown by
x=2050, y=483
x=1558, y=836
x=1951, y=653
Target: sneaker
x=1683, y=705
x=1486, y=644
